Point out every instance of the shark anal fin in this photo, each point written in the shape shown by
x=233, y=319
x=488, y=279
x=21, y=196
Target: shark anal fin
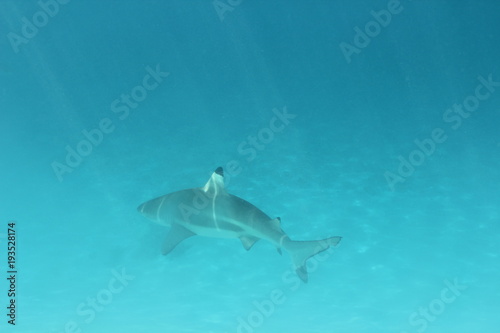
x=248, y=241
x=176, y=235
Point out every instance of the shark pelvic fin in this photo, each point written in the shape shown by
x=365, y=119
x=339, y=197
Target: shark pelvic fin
x=176, y=235
x=248, y=241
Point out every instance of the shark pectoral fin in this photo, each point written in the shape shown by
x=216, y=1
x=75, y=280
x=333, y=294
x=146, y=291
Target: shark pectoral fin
x=176, y=235
x=248, y=241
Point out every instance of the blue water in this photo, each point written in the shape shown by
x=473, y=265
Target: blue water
x=391, y=141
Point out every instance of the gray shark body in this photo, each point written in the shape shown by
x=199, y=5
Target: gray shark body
x=211, y=211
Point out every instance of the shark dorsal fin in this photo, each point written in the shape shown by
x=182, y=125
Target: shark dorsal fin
x=276, y=223
x=215, y=184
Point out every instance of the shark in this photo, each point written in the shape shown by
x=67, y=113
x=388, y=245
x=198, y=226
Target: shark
x=213, y=212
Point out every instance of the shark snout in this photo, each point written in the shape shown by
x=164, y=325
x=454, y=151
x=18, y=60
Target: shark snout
x=141, y=207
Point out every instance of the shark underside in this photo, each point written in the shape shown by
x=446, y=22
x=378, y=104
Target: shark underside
x=211, y=211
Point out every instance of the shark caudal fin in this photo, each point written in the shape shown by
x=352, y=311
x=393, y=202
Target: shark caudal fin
x=300, y=251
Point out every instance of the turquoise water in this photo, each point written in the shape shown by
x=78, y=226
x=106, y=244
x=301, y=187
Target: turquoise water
x=376, y=121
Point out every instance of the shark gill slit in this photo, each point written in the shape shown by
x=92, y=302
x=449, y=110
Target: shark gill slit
x=159, y=209
x=214, y=216
x=282, y=239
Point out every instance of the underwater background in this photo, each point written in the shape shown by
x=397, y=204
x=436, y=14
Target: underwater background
x=377, y=121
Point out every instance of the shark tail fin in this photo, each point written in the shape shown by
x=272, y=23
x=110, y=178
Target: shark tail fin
x=300, y=251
